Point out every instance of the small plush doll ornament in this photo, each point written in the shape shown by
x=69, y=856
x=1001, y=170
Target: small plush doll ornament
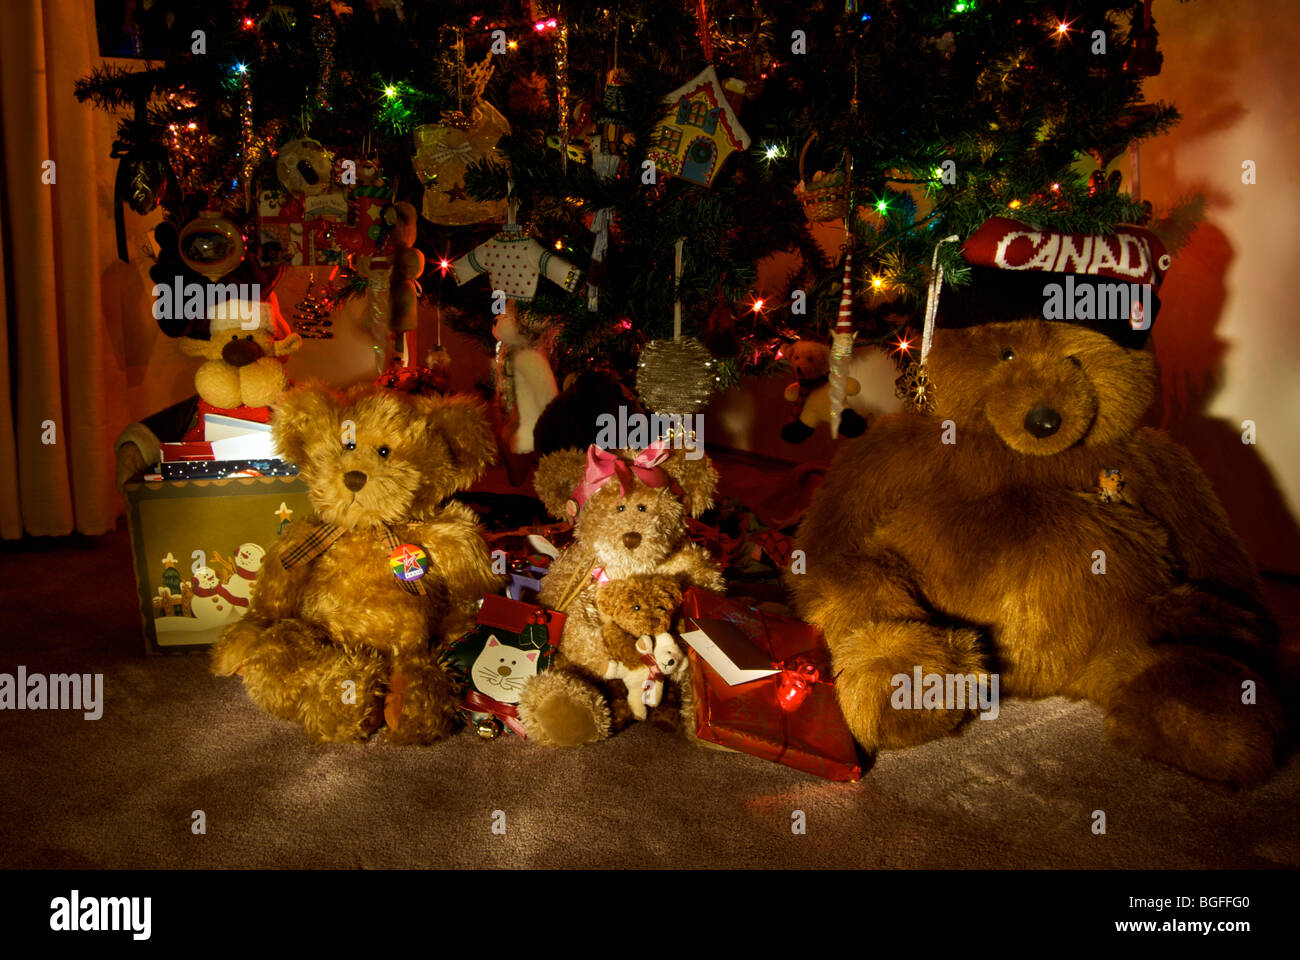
x=811, y=394
x=636, y=615
x=242, y=365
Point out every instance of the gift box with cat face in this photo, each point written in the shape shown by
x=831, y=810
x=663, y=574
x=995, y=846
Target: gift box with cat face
x=512, y=642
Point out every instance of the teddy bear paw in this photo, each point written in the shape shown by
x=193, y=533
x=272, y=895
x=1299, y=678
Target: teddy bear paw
x=560, y=710
x=884, y=713
x=1202, y=713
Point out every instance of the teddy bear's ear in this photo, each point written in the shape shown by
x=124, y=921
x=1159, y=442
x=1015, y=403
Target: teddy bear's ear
x=300, y=417
x=696, y=477
x=558, y=475
x=463, y=426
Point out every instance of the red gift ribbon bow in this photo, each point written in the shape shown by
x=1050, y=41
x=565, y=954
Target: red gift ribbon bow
x=797, y=679
x=507, y=713
x=604, y=464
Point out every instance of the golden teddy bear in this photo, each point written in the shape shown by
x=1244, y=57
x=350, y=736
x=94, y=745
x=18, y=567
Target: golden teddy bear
x=1009, y=550
x=629, y=519
x=335, y=639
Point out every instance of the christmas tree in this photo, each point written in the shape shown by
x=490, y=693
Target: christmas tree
x=730, y=126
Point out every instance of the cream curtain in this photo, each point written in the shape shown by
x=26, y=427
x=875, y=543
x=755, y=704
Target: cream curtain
x=62, y=379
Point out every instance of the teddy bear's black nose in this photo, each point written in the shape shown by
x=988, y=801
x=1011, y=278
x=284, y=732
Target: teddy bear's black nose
x=240, y=353
x=354, y=480
x=1042, y=422
x=632, y=540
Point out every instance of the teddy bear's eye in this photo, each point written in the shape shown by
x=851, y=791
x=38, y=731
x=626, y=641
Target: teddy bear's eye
x=622, y=507
x=636, y=606
x=249, y=337
x=660, y=608
x=234, y=336
x=641, y=507
x=383, y=451
x=350, y=445
x=1008, y=354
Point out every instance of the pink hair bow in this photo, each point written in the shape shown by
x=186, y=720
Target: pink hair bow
x=604, y=464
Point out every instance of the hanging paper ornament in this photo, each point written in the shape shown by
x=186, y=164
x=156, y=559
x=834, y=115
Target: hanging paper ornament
x=211, y=245
x=678, y=375
x=700, y=129
x=444, y=151
x=303, y=166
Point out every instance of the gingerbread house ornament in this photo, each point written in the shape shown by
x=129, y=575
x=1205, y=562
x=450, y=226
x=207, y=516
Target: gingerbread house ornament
x=700, y=129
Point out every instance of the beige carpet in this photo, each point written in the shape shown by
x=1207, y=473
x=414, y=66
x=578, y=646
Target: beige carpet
x=1018, y=791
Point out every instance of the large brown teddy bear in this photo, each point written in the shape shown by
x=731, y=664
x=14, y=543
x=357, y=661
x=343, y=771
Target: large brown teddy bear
x=633, y=521
x=333, y=640
x=973, y=541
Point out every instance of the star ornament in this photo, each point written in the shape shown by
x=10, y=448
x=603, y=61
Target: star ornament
x=284, y=512
x=169, y=560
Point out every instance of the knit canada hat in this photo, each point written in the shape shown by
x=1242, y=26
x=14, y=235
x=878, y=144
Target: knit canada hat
x=1106, y=283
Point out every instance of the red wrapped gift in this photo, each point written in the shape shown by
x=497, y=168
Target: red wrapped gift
x=780, y=704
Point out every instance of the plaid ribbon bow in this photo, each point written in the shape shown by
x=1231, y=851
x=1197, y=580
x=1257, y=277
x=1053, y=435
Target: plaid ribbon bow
x=323, y=535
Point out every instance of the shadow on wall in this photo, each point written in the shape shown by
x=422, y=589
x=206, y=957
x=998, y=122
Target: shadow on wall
x=1191, y=358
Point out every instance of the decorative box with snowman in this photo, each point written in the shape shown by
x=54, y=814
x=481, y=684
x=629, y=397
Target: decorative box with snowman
x=198, y=547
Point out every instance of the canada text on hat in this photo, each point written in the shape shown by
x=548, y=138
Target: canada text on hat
x=1073, y=272
x=1131, y=254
